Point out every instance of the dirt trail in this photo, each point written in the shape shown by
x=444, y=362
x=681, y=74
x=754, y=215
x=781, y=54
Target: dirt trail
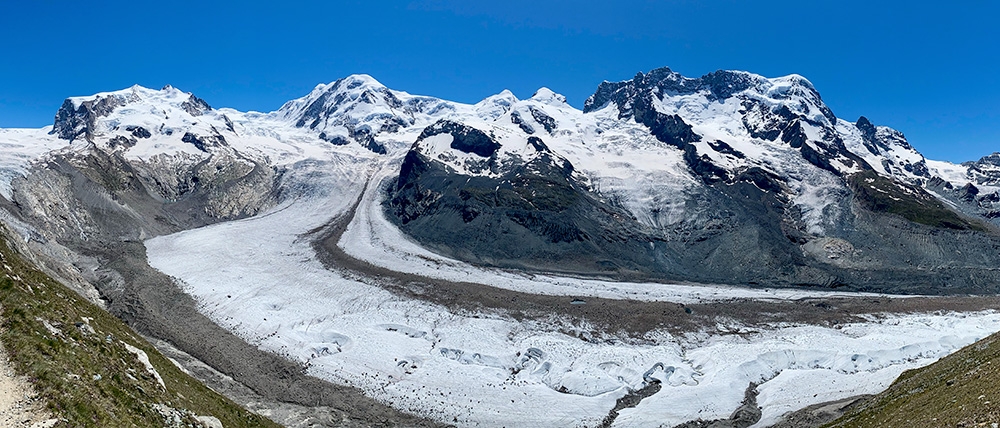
x=19, y=405
x=630, y=316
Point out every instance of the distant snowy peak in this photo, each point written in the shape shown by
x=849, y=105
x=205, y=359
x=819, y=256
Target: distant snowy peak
x=724, y=123
x=793, y=92
x=82, y=116
x=145, y=123
x=358, y=108
x=494, y=106
x=546, y=96
x=729, y=121
x=985, y=171
x=755, y=115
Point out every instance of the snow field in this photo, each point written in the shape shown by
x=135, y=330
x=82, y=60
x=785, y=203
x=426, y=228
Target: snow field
x=18, y=148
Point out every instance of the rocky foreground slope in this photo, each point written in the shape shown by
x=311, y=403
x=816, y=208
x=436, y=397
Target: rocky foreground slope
x=90, y=369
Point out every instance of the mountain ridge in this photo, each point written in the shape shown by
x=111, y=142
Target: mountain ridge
x=695, y=170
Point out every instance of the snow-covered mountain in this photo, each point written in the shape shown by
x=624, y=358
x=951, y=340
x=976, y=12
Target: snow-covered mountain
x=729, y=178
x=659, y=175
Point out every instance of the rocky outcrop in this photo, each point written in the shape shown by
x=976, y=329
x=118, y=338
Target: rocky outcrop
x=195, y=106
x=204, y=143
x=102, y=197
x=464, y=138
x=985, y=171
x=74, y=120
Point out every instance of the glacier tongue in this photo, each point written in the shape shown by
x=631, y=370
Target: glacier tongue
x=476, y=368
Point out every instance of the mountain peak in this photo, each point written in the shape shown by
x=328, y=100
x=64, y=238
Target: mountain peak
x=356, y=80
x=78, y=115
x=797, y=79
x=338, y=95
x=505, y=96
x=866, y=127
x=547, y=96
x=496, y=105
x=353, y=83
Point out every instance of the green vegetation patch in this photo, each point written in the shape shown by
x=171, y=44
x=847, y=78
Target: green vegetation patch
x=76, y=356
x=960, y=390
x=883, y=195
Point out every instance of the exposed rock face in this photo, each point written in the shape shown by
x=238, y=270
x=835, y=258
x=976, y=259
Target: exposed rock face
x=203, y=143
x=73, y=121
x=637, y=98
x=538, y=216
x=979, y=196
x=138, y=131
x=102, y=197
x=195, y=106
x=464, y=138
x=986, y=170
x=545, y=120
x=535, y=215
x=78, y=117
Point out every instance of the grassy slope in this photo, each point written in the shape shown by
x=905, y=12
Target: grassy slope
x=882, y=195
x=960, y=390
x=90, y=378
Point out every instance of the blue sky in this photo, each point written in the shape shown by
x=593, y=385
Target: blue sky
x=928, y=69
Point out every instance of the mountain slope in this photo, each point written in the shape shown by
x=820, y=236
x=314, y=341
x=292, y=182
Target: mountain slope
x=84, y=208
x=92, y=370
x=959, y=390
x=727, y=178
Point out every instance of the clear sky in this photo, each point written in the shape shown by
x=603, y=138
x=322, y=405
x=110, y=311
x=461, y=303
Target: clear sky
x=927, y=68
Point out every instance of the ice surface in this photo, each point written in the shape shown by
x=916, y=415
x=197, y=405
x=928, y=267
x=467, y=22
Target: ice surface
x=957, y=175
x=18, y=148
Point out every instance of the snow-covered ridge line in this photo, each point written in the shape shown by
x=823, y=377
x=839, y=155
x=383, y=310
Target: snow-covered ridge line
x=360, y=109
x=740, y=121
x=736, y=122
